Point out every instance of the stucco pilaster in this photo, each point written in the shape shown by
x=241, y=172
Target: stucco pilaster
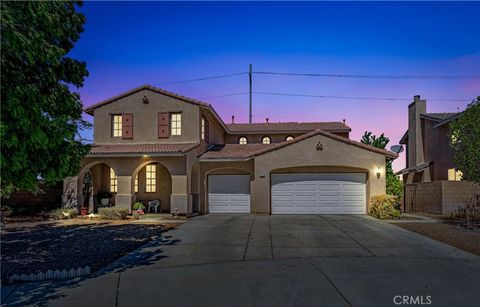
x=180, y=200
x=124, y=196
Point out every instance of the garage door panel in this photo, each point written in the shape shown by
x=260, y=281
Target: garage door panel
x=332, y=193
x=229, y=193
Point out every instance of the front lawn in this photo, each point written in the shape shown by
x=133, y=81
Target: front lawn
x=70, y=244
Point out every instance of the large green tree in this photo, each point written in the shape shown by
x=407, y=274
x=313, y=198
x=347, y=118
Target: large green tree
x=40, y=114
x=394, y=185
x=465, y=140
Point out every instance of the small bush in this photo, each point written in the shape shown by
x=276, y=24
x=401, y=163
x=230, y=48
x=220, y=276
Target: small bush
x=113, y=213
x=138, y=205
x=384, y=207
x=63, y=214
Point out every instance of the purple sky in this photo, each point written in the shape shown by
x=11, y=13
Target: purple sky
x=129, y=44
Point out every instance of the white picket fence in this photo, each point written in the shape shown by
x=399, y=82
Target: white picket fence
x=51, y=274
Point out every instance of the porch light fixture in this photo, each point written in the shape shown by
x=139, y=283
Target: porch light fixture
x=379, y=172
x=145, y=156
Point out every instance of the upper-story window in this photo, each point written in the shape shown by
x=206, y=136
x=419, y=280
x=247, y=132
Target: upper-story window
x=454, y=175
x=176, y=121
x=113, y=181
x=117, y=125
x=203, y=128
x=242, y=140
x=266, y=140
x=289, y=138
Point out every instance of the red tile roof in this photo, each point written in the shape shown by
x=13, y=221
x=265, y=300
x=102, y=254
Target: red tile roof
x=238, y=151
x=288, y=127
x=141, y=148
x=234, y=151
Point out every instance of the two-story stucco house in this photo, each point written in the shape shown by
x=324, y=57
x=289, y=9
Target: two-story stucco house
x=432, y=181
x=151, y=144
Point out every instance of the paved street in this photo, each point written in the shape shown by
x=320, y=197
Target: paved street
x=248, y=260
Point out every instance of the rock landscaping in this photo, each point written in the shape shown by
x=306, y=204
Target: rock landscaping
x=460, y=237
x=67, y=245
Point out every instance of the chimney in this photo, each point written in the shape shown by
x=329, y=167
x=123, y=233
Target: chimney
x=415, y=154
x=233, y=119
x=266, y=119
x=344, y=121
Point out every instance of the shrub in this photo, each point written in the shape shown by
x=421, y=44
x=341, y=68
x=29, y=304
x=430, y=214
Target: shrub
x=63, y=214
x=383, y=207
x=138, y=205
x=113, y=213
x=467, y=215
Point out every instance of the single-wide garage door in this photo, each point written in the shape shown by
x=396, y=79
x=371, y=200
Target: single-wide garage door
x=319, y=193
x=229, y=193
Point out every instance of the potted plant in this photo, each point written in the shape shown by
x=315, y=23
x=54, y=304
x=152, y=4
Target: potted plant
x=104, y=197
x=84, y=211
x=138, y=207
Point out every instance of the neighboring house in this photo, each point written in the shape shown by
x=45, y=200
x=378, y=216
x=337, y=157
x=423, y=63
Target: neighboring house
x=153, y=144
x=432, y=181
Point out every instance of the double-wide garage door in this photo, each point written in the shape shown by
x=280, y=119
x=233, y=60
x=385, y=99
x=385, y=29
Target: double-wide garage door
x=229, y=193
x=325, y=193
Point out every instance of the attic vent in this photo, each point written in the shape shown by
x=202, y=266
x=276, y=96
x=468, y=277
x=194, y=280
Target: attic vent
x=145, y=100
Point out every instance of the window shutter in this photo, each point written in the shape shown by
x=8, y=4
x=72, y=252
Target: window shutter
x=127, y=126
x=163, y=125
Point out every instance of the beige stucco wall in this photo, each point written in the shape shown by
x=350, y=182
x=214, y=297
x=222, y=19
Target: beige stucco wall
x=304, y=154
x=145, y=119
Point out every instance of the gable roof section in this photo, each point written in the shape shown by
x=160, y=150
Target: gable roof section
x=89, y=110
x=247, y=151
x=288, y=127
x=437, y=116
x=141, y=149
x=208, y=107
x=404, y=138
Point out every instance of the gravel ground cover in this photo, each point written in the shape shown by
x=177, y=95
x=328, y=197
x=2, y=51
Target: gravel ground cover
x=460, y=237
x=66, y=245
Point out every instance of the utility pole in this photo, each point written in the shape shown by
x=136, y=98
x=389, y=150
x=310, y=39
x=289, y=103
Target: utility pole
x=250, y=95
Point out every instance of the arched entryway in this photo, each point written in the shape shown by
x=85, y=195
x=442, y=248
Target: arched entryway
x=96, y=178
x=152, y=181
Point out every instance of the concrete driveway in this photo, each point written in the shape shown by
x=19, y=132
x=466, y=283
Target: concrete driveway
x=248, y=260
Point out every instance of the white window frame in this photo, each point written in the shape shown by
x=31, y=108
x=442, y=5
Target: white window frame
x=113, y=181
x=266, y=138
x=243, y=140
x=176, y=123
x=117, y=126
x=203, y=129
x=151, y=178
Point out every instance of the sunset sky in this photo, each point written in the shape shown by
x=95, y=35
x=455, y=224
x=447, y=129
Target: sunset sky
x=128, y=44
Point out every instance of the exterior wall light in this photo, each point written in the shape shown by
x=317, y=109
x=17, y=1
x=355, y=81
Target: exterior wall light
x=145, y=156
x=379, y=172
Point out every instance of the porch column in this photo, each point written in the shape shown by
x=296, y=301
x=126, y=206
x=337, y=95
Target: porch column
x=70, y=197
x=180, y=200
x=124, y=196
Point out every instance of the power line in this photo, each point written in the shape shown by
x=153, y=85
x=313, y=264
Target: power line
x=204, y=78
x=411, y=77
x=225, y=95
x=352, y=97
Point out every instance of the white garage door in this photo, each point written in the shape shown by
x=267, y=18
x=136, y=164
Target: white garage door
x=229, y=193
x=323, y=193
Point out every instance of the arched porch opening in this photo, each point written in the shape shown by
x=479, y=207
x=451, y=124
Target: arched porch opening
x=94, y=178
x=152, y=180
